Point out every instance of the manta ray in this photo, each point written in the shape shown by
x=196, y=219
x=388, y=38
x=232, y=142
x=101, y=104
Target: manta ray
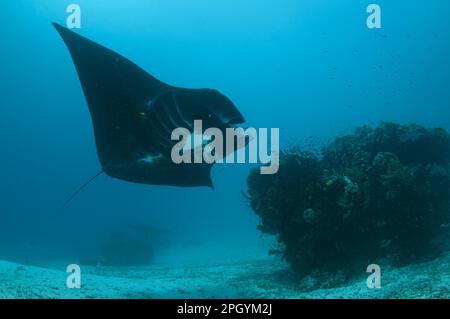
x=133, y=116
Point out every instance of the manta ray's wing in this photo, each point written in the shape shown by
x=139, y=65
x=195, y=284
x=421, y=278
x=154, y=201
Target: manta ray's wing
x=115, y=88
x=133, y=114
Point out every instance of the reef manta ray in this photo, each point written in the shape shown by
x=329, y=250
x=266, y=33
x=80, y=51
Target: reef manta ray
x=134, y=114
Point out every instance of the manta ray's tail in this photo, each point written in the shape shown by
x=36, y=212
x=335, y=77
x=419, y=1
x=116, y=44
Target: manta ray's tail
x=77, y=192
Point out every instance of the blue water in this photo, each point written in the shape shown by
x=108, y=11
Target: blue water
x=311, y=68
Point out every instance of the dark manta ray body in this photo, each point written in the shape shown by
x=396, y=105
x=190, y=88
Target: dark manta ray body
x=134, y=114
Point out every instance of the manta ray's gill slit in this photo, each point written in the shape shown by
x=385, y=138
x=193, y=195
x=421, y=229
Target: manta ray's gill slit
x=153, y=145
x=181, y=115
x=160, y=113
x=160, y=129
x=168, y=111
x=155, y=132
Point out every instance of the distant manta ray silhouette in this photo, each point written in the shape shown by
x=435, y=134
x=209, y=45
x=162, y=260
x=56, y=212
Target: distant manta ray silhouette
x=134, y=114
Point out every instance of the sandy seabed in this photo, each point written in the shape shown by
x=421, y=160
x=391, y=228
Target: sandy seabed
x=256, y=276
